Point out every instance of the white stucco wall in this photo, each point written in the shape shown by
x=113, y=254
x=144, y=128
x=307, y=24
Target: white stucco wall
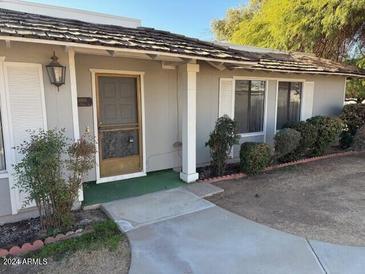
x=328, y=100
x=58, y=103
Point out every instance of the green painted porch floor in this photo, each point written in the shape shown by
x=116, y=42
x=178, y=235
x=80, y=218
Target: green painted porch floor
x=154, y=181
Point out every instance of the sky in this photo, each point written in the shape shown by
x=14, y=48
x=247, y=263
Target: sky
x=188, y=17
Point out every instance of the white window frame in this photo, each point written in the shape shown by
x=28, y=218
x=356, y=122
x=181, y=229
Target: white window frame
x=277, y=97
x=259, y=133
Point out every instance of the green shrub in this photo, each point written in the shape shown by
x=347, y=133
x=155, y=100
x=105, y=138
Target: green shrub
x=286, y=141
x=220, y=143
x=308, y=134
x=254, y=157
x=328, y=129
x=346, y=139
x=47, y=158
x=353, y=116
x=359, y=139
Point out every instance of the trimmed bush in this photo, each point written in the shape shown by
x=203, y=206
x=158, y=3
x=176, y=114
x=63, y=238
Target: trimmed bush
x=346, y=139
x=286, y=141
x=220, y=143
x=353, y=116
x=328, y=129
x=359, y=139
x=308, y=134
x=254, y=157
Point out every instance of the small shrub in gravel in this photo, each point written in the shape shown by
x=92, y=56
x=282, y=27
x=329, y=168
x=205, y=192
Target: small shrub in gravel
x=254, y=157
x=328, y=129
x=286, y=141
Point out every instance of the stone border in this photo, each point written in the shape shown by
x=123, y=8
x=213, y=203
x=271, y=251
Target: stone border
x=240, y=175
x=38, y=244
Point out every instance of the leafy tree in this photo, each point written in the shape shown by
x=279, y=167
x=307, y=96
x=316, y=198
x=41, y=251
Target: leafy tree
x=333, y=29
x=225, y=28
x=328, y=28
x=355, y=88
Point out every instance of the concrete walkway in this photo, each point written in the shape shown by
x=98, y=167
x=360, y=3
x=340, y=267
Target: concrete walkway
x=176, y=231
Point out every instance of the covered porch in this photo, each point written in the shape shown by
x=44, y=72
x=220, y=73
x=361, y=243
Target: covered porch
x=140, y=107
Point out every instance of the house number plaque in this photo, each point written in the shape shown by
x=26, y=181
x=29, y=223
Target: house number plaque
x=84, y=101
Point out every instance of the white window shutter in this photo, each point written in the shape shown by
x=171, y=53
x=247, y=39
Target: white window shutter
x=226, y=97
x=26, y=105
x=307, y=100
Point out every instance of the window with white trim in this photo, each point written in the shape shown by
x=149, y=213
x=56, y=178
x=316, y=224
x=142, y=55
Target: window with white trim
x=249, y=109
x=289, y=103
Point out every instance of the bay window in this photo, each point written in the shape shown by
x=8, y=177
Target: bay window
x=289, y=103
x=249, y=105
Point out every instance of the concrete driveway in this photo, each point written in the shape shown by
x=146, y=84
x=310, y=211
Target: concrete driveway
x=176, y=231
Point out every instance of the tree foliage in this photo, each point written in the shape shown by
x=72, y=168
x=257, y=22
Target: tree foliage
x=328, y=28
x=332, y=29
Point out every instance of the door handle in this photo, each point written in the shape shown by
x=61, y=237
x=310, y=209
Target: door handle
x=130, y=140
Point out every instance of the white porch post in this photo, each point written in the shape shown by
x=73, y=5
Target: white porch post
x=73, y=84
x=187, y=89
x=75, y=111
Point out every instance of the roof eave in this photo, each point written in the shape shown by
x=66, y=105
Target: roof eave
x=309, y=72
x=245, y=64
x=119, y=49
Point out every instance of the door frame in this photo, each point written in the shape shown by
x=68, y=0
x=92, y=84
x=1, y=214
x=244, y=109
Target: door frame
x=94, y=72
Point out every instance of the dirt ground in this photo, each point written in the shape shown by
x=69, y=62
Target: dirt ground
x=90, y=262
x=29, y=230
x=322, y=200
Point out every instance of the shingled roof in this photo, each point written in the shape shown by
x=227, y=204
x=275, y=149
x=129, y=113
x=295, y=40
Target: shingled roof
x=34, y=26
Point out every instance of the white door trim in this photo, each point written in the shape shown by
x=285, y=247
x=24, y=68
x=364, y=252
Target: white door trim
x=97, y=160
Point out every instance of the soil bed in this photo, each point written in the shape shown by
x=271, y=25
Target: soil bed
x=105, y=250
x=322, y=200
x=30, y=230
x=206, y=172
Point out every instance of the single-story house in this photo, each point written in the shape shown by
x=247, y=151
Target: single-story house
x=150, y=97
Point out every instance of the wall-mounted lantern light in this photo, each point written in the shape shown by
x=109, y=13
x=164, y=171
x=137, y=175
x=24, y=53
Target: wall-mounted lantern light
x=56, y=72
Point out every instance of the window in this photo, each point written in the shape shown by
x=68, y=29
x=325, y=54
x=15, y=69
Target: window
x=289, y=101
x=249, y=105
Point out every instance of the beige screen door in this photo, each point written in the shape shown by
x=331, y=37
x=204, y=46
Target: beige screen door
x=119, y=124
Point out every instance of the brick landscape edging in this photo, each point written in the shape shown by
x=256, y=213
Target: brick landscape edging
x=38, y=244
x=240, y=175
